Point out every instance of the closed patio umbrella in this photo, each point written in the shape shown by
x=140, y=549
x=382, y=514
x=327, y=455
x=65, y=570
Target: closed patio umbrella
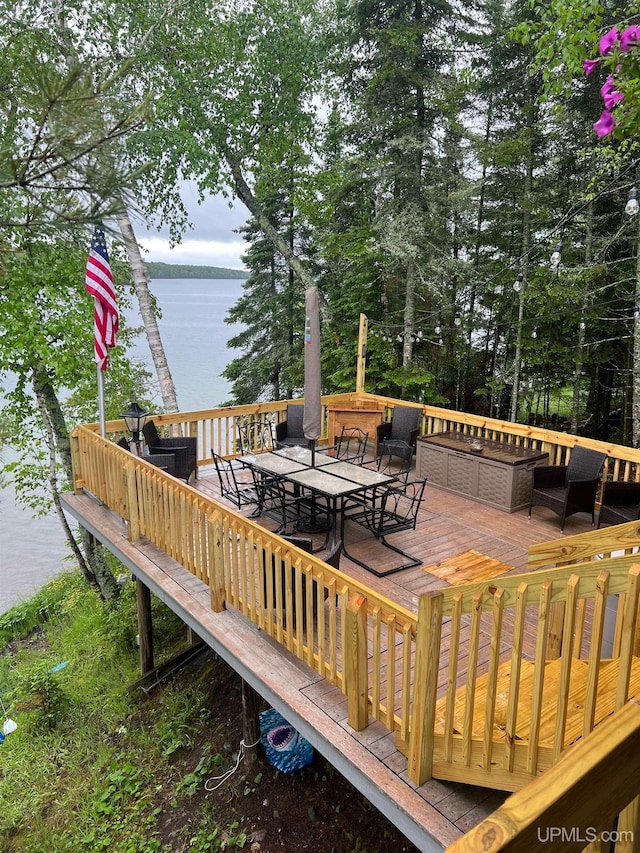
x=312, y=423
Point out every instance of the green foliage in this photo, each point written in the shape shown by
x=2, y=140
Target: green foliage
x=79, y=748
x=193, y=780
x=41, y=690
x=56, y=598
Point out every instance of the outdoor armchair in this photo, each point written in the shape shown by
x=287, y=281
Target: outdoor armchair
x=567, y=489
x=403, y=426
x=620, y=502
x=183, y=448
x=289, y=433
x=164, y=461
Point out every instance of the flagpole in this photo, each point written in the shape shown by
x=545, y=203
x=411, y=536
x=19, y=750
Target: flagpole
x=101, y=416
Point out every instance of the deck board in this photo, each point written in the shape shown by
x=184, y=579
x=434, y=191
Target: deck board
x=434, y=814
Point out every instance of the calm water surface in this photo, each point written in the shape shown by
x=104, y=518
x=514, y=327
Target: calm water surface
x=195, y=338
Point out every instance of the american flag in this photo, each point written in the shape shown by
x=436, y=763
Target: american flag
x=99, y=282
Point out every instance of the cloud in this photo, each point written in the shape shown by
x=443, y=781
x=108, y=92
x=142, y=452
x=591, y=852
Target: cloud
x=211, y=240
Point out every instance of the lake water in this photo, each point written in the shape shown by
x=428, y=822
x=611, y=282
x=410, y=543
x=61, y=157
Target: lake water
x=195, y=337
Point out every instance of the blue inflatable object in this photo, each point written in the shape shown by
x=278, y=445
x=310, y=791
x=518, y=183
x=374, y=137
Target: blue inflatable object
x=287, y=750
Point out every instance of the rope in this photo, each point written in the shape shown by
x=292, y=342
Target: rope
x=225, y=776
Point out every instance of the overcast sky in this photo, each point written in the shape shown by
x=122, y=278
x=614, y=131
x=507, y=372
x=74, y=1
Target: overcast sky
x=211, y=241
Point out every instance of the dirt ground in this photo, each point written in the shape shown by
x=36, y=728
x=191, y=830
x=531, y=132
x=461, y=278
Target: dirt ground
x=313, y=809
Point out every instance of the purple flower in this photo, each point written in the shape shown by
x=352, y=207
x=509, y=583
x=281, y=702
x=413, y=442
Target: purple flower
x=605, y=124
x=608, y=40
x=610, y=94
x=628, y=37
x=589, y=65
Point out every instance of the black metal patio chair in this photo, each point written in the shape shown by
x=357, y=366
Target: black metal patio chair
x=396, y=511
x=620, y=502
x=255, y=434
x=395, y=457
x=184, y=449
x=403, y=426
x=351, y=445
x=567, y=489
x=240, y=492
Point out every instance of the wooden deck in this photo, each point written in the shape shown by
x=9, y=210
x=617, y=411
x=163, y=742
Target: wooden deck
x=434, y=814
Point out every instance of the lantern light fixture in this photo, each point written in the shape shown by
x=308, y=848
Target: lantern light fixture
x=135, y=418
x=518, y=284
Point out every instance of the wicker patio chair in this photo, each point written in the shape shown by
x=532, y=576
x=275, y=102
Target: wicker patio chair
x=184, y=449
x=289, y=433
x=620, y=503
x=164, y=461
x=567, y=489
x=403, y=426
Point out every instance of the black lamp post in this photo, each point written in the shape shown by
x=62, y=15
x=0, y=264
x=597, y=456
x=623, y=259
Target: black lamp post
x=135, y=418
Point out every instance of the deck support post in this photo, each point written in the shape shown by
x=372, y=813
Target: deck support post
x=215, y=537
x=145, y=633
x=251, y=704
x=355, y=663
x=428, y=637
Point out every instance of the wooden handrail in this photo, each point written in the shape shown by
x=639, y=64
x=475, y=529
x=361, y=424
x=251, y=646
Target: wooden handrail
x=500, y=723
x=215, y=429
x=575, y=800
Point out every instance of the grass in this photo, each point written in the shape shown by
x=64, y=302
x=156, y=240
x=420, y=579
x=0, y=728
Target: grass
x=96, y=766
x=79, y=750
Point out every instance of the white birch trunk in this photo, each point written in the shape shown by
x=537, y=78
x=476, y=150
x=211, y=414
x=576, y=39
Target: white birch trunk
x=149, y=320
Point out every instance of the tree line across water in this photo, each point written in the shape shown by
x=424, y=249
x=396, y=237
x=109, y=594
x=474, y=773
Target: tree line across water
x=157, y=269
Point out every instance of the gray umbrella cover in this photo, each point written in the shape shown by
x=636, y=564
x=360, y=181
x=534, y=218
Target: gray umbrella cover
x=312, y=423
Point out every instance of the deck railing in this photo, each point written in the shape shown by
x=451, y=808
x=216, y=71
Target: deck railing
x=384, y=658
x=589, y=801
x=218, y=429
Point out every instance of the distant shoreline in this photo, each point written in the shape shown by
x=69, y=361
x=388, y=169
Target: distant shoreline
x=158, y=269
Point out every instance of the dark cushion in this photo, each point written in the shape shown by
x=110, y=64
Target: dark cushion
x=295, y=418
x=404, y=421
